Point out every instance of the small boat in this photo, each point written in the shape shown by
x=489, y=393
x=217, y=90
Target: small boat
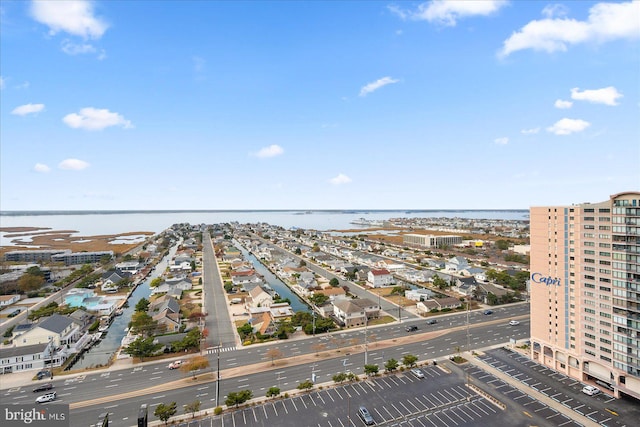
x=119, y=312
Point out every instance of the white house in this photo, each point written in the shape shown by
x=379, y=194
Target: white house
x=25, y=358
x=6, y=300
x=379, y=277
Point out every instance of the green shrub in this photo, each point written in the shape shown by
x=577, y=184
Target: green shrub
x=217, y=410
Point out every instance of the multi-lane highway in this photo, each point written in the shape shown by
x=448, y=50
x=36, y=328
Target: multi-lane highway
x=121, y=392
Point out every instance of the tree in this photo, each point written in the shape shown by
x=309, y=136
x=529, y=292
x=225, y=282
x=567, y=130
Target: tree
x=439, y=282
x=305, y=385
x=334, y=282
x=238, y=398
x=30, y=282
x=273, y=354
x=143, y=324
x=164, y=412
x=298, y=251
x=302, y=263
x=318, y=299
x=409, y=360
x=245, y=330
x=142, y=305
x=371, y=370
x=273, y=392
x=342, y=376
x=142, y=347
x=391, y=365
x=192, y=408
x=155, y=282
x=195, y=364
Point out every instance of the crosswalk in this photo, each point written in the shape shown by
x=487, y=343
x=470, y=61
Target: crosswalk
x=214, y=350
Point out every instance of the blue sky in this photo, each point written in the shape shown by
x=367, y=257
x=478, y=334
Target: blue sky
x=317, y=105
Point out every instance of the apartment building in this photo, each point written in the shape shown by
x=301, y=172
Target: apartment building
x=585, y=291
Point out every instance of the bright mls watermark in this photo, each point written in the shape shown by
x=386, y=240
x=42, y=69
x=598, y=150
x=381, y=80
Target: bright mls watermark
x=31, y=415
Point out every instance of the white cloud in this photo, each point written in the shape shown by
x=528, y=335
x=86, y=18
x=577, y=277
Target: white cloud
x=501, y=141
x=447, y=12
x=71, y=16
x=372, y=87
x=39, y=167
x=606, y=22
x=606, y=96
x=270, y=151
x=95, y=119
x=24, y=85
x=71, y=48
x=562, y=104
x=340, y=179
x=555, y=11
x=73, y=164
x=568, y=126
x=531, y=131
x=1, y=82
x=25, y=109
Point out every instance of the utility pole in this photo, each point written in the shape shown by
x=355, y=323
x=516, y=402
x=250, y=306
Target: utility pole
x=218, y=376
x=468, y=347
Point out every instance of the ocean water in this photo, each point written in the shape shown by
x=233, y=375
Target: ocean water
x=113, y=223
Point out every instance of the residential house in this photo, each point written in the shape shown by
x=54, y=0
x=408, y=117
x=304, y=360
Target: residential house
x=7, y=300
x=26, y=358
x=168, y=321
x=419, y=294
x=371, y=308
x=58, y=329
x=379, y=277
x=281, y=311
x=258, y=297
x=163, y=303
x=82, y=318
x=173, y=287
x=457, y=263
x=484, y=289
x=307, y=280
x=465, y=285
x=349, y=314
x=426, y=306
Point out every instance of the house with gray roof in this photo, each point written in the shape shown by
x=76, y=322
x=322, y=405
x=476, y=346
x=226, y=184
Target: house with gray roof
x=25, y=358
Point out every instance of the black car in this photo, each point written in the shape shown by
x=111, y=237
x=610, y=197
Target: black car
x=432, y=322
x=411, y=328
x=43, y=387
x=43, y=374
x=488, y=312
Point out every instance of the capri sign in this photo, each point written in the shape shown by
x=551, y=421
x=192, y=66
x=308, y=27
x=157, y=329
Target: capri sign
x=547, y=280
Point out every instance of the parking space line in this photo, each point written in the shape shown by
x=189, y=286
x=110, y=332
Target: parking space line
x=385, y=408
x=398, y=410
x=420, y=402
x=445, y=413
x=329, y=394
x=411, y=403
x=294, y=403
x=274, y=409
x=477, y=405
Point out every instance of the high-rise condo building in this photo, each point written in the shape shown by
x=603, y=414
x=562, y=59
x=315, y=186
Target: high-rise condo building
x=585, y=291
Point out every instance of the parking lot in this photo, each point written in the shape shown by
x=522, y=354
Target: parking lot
x=439, y=399
x=602, y=408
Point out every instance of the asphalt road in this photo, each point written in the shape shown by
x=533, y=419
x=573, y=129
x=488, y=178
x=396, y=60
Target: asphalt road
x=217, y=322
x=112, y=388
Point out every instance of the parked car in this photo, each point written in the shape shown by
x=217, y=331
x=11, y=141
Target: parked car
x=175, y=365
x=590, y=390
x=514, y=323
x=366, y=417
x=43, y=374
x=411, y=328
x=49, y=397
x=488, y=312
x=417, y=372
x=43, y=387
x=432, y=322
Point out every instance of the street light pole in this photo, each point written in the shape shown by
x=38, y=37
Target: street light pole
x=366, y=350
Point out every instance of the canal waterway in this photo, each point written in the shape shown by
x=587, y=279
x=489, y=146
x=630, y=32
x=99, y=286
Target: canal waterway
x=100, y=354
x=278, y=285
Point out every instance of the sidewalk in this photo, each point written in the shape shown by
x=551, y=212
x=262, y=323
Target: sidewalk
x=530, y=391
